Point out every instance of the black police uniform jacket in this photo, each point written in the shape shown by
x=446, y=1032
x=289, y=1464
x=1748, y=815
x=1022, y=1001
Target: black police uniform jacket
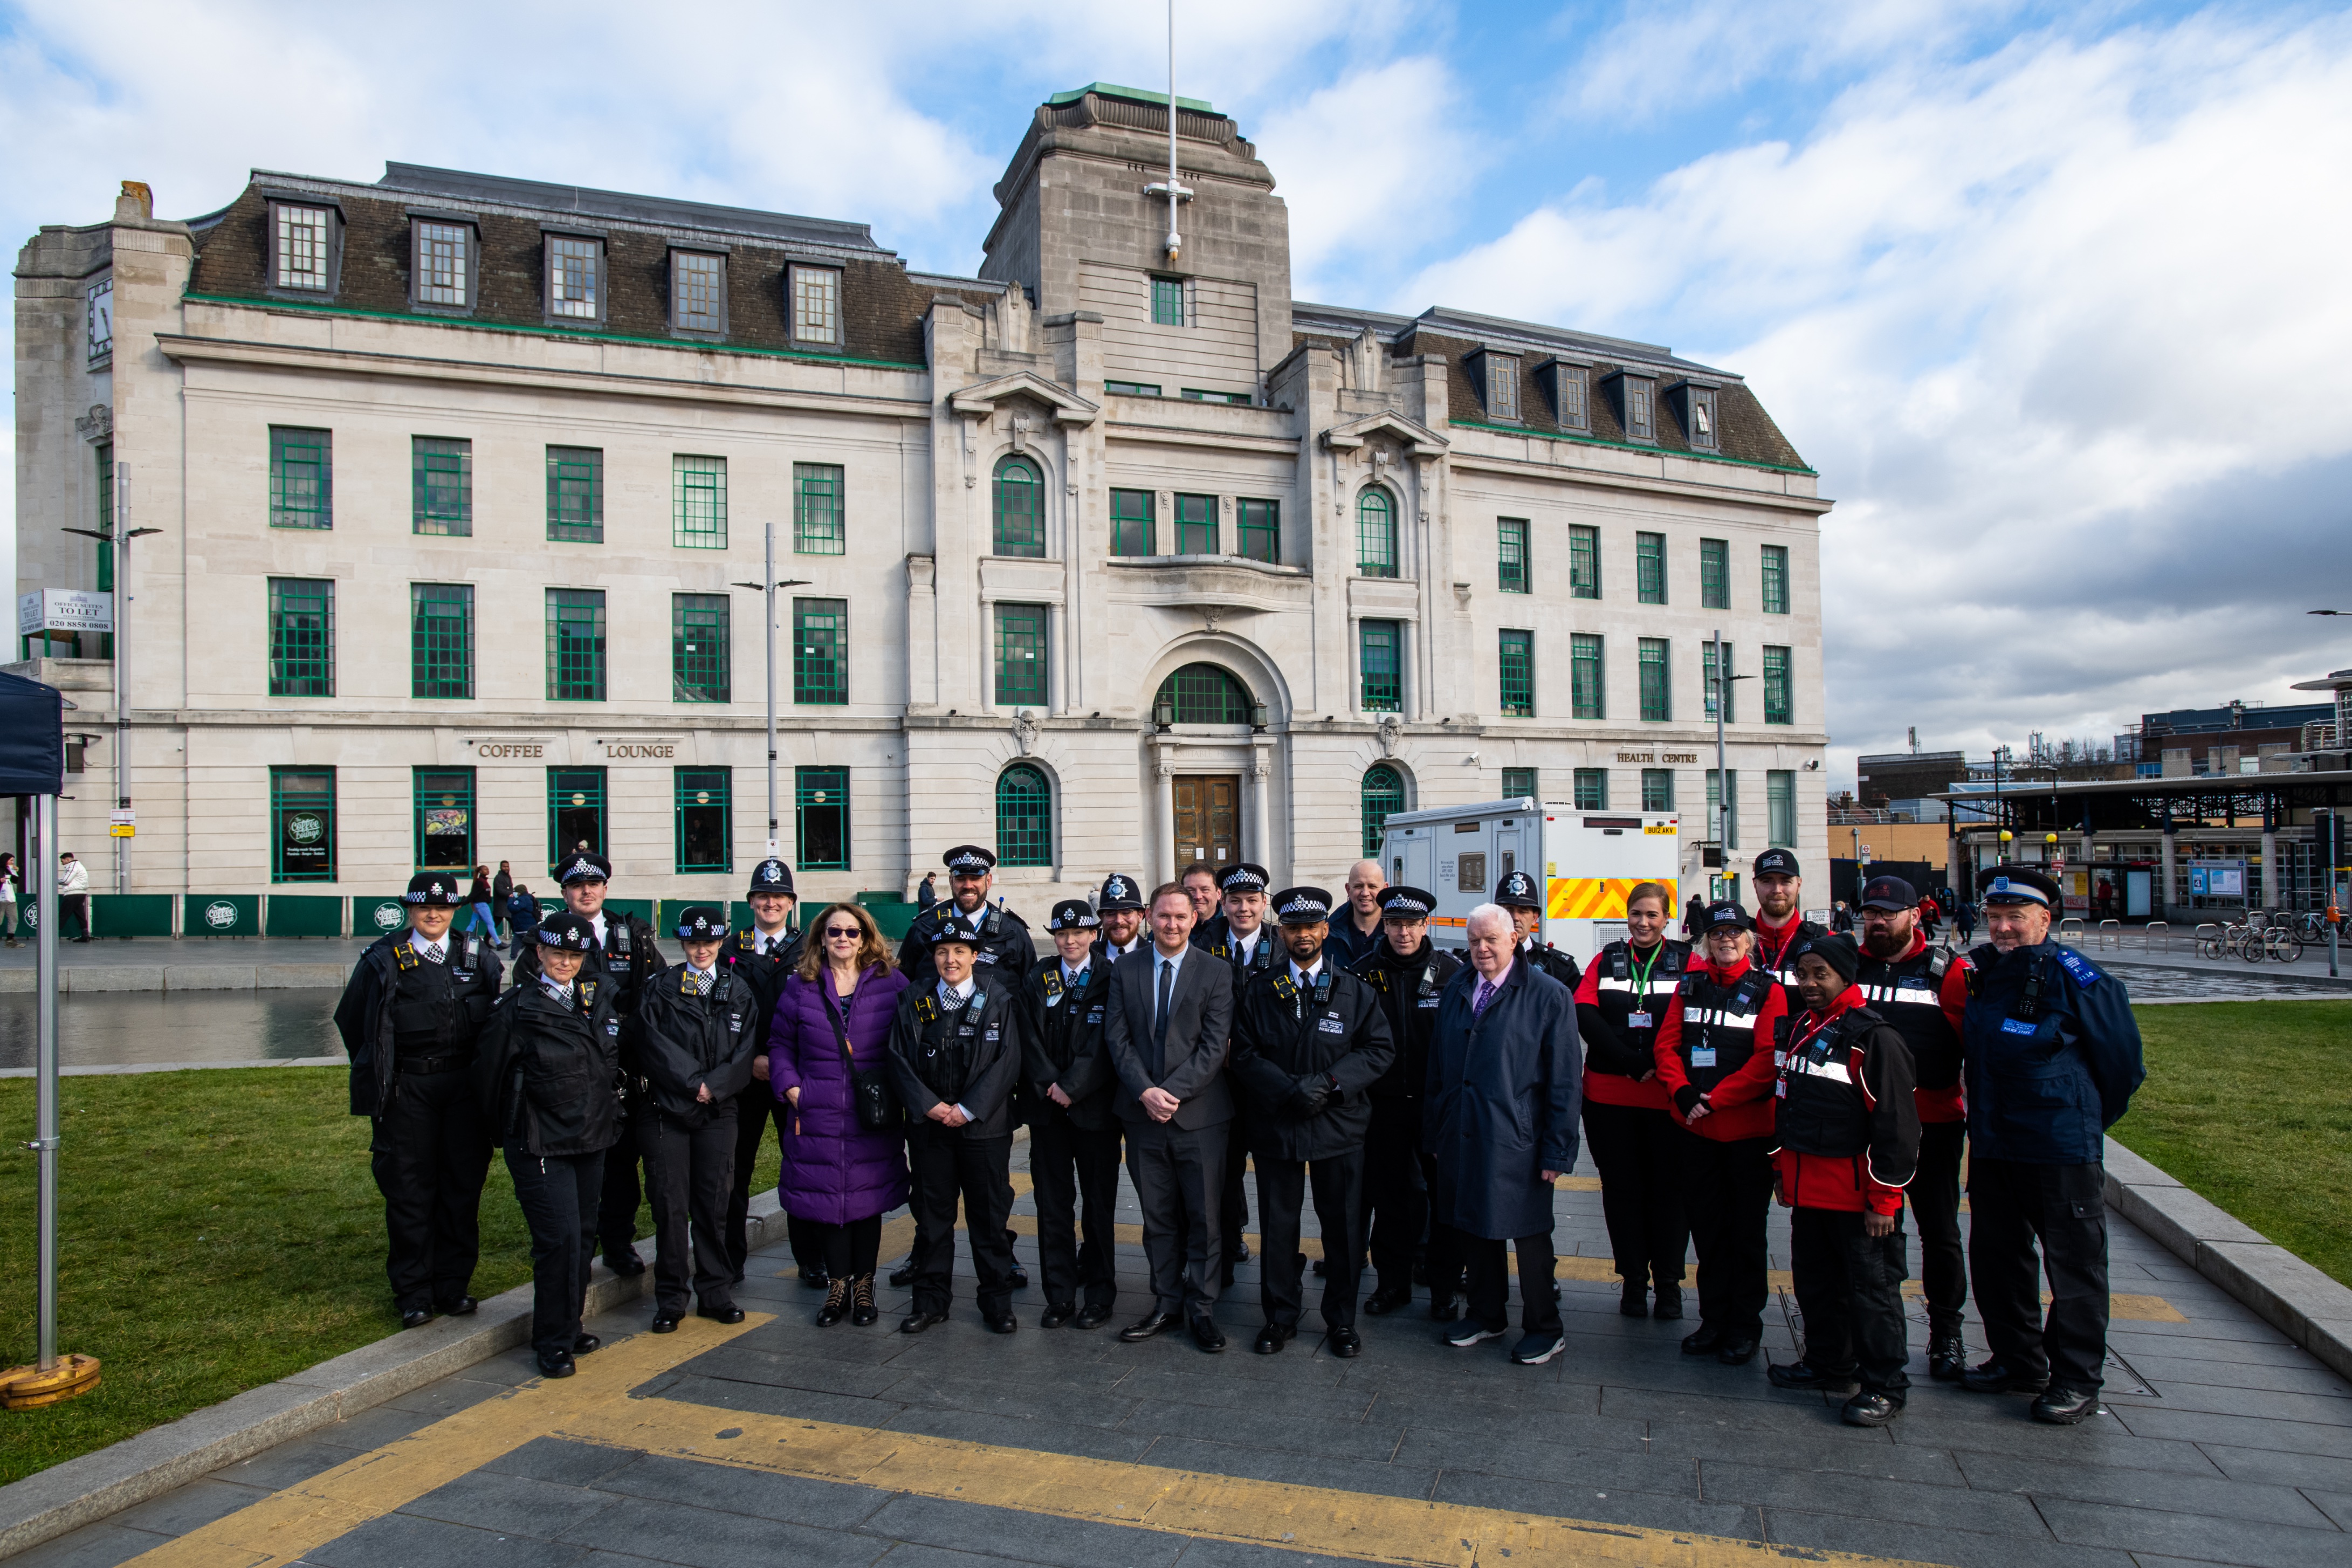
x=548, y=1072
x=676, y=1041
x=1001, y=943
x=627, y=960
x=1552, y=961
x=1305, y=1059
x=969, y=1057
x=2051, y=1055
x=1216, y=939
x=764, y=974
x=392, y=992
x=1062, y=1043
x=1408, y=989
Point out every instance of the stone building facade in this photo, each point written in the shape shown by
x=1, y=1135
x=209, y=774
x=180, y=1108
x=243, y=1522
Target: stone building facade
x=1111, y=558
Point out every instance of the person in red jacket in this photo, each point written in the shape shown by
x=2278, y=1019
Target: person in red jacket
x=1847, y=1137
x=1714, y=1057
x=1780, y=922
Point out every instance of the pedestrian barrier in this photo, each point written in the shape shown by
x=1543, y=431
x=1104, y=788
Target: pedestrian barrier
x=2070, y=930
x=130, y=914
x=2111, y=930
x=302, y=914
x=220, y=914
x=2153, y=933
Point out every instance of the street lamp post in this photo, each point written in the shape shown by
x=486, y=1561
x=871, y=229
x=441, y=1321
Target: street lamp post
x=767, y=584
x=1723, y=678
x=116, y=537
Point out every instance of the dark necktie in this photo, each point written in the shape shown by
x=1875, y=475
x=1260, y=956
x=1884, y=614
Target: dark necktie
x=1159, y=1021
x=436, y=955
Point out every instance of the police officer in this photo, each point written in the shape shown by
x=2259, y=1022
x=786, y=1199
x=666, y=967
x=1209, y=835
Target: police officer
x=623, y=958
x=1309, y=1040
x=1120, y=905
x=761, y=957
x=546, y=1077
x=1408, y=973
x=999, y=939
x=1780, y=922
x=1240, y=936
x=417, y=999
x=690, y=1045
x=1074, y=1139
x=1923, y=991
x=1523, y=895
x=955, y=1055
x=2050, y=1057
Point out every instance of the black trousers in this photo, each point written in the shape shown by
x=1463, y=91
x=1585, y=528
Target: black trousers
x=1282, y=1187
x=1233, y=1215
x=1490, y=1271
x=620, y=1198
x=687, y=1172
x=1180, y=1177
x=1850, y=1291
x=1071, y=1165
x=754, y=1109
x=1727, y=1193
x=2011, y=1206
x=557, y=1194
x=1398, y=1175
x=947, y=1165
x=430, y=1155
x=1636, y=1151
x=1935, y=1195
x=847, y=1250
x=73, y=915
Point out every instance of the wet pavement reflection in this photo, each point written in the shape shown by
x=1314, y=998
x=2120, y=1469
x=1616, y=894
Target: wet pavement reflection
x=114, y=1030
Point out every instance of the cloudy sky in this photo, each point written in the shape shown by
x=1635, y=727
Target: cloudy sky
x=2053, y=296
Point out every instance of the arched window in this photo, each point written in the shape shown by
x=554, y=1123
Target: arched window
x=1024, y=817
x=1201, y=694
x=1376, y=533
x=1383, y=793
x=1020, y=508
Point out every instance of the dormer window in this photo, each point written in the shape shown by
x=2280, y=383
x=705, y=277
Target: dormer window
x=698, y=292
x=816, y=307
x=575, y=277
x=1564, y=382
x=1497, y=377
x=1694, y=405
x=444, y=256
x=305, y=247
x=1636, y=400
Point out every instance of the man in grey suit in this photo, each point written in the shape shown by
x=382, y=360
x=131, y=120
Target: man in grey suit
x=1169, y=1017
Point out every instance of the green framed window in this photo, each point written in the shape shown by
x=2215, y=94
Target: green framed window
x=575, y=812
x=1657, y=689
x=442, y=482
x=441, y=640
x=1726, y=689
x=821, y=818
x=697, y=502
x=1131, y=388
x=1381, y=654
x=1592, y=789
x=302, y=825
x=301, y=478
x=1650, y=568
x=1781, y=808
x=441, y=813
x=1780, y=688
x=1716, y=797
x=1715, y=573
x=1168, y=301
x=1131, y=522
x=1201, y=694
x=1201, y=394
x=1511, y=572
x=1583, y=561
x=575, y=645
x=701, y=659
x=1196, y=525
x=1588, y=686
x=1657, y=789
x=1376, y=533
x=302, y=636
x=1519, y=783
x=576, y=495
x=820, y=520
x=104, y=522
x=1380, y=795
x=1517, y=656
x=705, y=818
x=1776, y=580
x=1021, y=655
x=820, y=651
x=1024, y=817
x=1020, y=507
x=1259, y=523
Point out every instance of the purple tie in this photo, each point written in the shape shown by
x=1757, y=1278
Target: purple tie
x=1478, y=1002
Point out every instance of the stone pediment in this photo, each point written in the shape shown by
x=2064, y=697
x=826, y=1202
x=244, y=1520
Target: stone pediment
x=981, y=398
x=1417, y=439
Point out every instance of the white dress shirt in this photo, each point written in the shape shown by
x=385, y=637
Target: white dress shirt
x=427, y=949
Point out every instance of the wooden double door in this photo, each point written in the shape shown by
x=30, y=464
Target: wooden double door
x=1208, y=821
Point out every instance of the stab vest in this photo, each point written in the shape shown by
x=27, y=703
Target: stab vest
x=1721, y=1019
x=1822, y=1108
x=1909, y=993
x=1616, y=989
x=425, y=999
x=1071, y=1011
x=951, y=1042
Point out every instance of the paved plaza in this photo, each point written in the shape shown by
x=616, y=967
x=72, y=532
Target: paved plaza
x=778, y=1441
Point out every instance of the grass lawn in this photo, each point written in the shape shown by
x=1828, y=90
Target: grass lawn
x=2249, y=1104
x=217, y=1230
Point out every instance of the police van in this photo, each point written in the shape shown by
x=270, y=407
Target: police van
x=1589, y=861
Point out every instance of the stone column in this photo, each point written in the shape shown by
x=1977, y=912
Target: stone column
x=1261, y=837
x=1166, y=857
x=2162, y=902
x=2271, y=891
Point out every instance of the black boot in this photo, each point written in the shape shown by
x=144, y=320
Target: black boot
x=1633, y=1301
x=836, y=1304
x=861, y=1311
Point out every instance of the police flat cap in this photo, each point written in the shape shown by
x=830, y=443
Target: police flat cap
x=1724, y=915
x=1243, y=878
x=1777, y=863
x=1518, y=891
x=2017, y=885
x=1121, y=892
x=1889, y=893
x=702, y=922
x=969, y=860
x=772, y=876
x=1302, y=906
x=563, y=929
x=1408, y=904
x=434, y=891
x=585, y=867
x=1072, y=914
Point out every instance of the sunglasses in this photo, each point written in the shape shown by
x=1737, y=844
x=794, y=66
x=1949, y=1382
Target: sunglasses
x=852, y=932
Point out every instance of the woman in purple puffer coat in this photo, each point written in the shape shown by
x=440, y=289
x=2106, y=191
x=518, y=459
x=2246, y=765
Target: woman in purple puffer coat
x=837, y=1175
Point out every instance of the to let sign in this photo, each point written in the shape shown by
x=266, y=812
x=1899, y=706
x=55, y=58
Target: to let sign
x=63, y=610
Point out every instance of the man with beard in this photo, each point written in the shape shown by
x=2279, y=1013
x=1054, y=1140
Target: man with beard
x=1120, y=905
x=999, y=939
x=1409, y=975
x=1780, y=920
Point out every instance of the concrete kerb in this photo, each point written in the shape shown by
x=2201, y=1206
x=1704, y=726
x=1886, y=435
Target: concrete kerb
x=89, y=979
x=2293, y=1296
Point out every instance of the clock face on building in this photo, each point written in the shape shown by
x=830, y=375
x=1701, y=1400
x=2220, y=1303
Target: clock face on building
x=101, y=319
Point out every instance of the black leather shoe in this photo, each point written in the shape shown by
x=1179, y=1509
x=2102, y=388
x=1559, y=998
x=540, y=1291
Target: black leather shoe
x=1322, y=1267
x=1092, y=1317
x=1445, y=1309
x=1273, y=1337
x=558, y=1364
x=1634, y=1299
x=627, y=1265
x=1947, y=1357
x=1020, y=1278
x=1241, y=1253
x=1001, y=1323
x=900, y=1275
x=725, y=1313
x=1149, y=1328
x=1869, y=1410
x=916, y=1322
x=1346, y=1343
x=1737, y=1350
x=1207, y=1335
x=463, y=1307
x=1804, y=1377
x=836, y=1304
x=814, y=1277
x=414, y=1318
x=1384, y=1301
x=1666, y=1305
x=2064, y=1407
x=1994, y=1375
x=666, y=1322
x=1058, y=1315
x=1702, y=1340
x=584, y=1344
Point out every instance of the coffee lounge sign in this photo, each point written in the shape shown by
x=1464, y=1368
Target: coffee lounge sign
x=527, y=750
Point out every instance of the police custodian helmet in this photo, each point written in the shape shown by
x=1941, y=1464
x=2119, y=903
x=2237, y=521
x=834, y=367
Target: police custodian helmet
x=1120, y=892
x=772, y=876
x=1518, y=891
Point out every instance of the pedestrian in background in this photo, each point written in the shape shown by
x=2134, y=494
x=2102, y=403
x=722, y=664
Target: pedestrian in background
x=522, y=915
x=73, y=896
x=502, y=889
x=9, y=881
x=481, y=914
x=929, y=894
x=1964, y=916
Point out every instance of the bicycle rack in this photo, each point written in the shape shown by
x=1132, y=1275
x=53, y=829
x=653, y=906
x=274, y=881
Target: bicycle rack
x=2148, y=935
x=2071, y=930
x=2113, y=929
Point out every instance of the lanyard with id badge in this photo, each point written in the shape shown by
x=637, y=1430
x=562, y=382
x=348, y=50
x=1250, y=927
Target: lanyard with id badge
x=1641, y=1018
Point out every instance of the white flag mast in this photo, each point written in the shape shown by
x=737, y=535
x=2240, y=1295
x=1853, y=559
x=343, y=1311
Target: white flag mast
x=1174, y=191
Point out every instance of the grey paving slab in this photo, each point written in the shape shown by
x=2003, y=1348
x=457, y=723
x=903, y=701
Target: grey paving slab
x=827, y=1505
x=1046, y=1436
x=524, y=1505
x=2029, y=1475
x=2336, y=1505
x=1268, y=1428
x=1530, y=1457
x=1024, y=1537
x=410, y=1540
x=1789, y=1527
x=2241, y=1431
x=2234, y=1540
x=186, y=1508
x=1201, y=1553
x=556, y=1460
x=797, y=1403
x=100, y=1545
x=1600, y=1504
x=1379, y=1479
x=1905, y=1502
x=672, y=1532
x=2325, y=1472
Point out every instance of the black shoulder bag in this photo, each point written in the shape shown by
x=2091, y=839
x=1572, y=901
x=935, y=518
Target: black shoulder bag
x=877, y=1103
